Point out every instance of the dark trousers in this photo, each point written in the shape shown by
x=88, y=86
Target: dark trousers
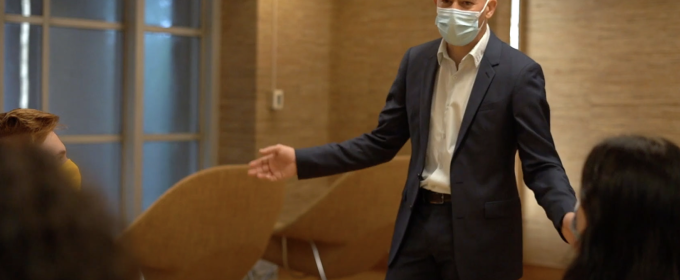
x=426, y=252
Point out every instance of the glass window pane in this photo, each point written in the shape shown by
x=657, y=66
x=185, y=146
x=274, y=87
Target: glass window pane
x=169, y=13
x=165, y=163
x=171, y=84
x=86, y=79
x=23, y=66
x=100, y=168
x=24, y=7
x=105, y=10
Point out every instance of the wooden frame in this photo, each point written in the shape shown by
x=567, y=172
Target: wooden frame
x=132, y=137
x=2, y=52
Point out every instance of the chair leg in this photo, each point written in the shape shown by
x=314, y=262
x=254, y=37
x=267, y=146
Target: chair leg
x=317, y=258
x=284, y=258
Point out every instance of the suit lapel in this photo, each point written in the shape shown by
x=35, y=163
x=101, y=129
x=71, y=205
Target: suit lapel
x=485, y=76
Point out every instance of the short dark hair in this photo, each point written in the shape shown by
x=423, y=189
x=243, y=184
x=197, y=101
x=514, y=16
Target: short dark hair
x=630, y=195
x=48, y=230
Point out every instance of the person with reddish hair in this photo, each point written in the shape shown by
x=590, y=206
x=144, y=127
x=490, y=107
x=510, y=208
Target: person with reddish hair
x=52, y=232
x=37, y=127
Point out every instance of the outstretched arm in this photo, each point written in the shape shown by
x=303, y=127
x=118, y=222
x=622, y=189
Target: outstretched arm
x=543, y=170
x=376, y=147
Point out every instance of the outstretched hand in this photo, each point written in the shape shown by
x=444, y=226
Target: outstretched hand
x=566, y=228
x=277, y=163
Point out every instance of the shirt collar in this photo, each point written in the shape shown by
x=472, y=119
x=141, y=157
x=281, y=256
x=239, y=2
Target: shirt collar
x=476, y=53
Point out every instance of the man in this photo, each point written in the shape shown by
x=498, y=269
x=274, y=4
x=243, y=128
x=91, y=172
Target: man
x=34, y=126
x=468, y=102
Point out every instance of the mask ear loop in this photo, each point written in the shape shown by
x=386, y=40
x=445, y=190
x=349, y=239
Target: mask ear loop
x=486, y=5
x=482, y=12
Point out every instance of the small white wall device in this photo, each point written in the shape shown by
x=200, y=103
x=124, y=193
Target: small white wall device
x=277, y=99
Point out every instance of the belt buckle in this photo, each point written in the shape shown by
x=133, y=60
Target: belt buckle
x=441, y=199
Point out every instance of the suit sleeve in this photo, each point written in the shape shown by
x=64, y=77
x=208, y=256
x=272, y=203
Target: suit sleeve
x=369, y=149
x=541, y=165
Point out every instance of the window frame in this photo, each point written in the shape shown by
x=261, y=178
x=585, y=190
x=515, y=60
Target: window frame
x=132, y=138
x=515, y=23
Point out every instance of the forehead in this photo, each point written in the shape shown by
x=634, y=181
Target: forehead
x=53, y=144
x=463, y=1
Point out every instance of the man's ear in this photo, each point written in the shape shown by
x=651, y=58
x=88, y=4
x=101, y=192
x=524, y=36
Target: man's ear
x=492, y=8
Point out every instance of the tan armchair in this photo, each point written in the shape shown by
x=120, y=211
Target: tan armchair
x=214, y=224
x=348, y=230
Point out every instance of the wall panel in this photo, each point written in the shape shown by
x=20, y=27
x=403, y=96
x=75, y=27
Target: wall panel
x=611, y=68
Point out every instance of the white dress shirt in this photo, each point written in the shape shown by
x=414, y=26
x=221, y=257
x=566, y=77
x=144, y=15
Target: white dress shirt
x=453, y=86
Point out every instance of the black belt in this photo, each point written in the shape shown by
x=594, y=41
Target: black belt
x=431, y=197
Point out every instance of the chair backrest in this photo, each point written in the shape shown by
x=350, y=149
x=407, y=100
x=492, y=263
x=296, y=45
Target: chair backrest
x=359, y=202
x=214, y=224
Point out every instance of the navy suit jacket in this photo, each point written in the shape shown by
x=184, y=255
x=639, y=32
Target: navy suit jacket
x=507, y=111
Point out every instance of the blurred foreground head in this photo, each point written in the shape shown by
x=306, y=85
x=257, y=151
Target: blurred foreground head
x=37, y=127
x=48, y=230
x=629, y=214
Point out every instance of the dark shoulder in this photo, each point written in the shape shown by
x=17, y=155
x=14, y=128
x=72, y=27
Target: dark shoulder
x=424, y=51
x=516, y=59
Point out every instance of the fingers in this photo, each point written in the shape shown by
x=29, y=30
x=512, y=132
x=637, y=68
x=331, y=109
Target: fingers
x=260, y=162
x=270, y=150
x=252, y=167
x=272, y=177
x=261, y=169
x=265, y=176
x=264, y=167
x=255, y=166
x=268, y=177
x=255, y=163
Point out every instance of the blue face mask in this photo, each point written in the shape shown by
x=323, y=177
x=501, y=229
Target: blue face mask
x=458, y=27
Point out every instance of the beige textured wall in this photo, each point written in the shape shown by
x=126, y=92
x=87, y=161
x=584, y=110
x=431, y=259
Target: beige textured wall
x=369, y=40
x=500, y=22
x=303, y=50
x=611, y=67
x=303, y=58
x=303, y=55
x=238, y=82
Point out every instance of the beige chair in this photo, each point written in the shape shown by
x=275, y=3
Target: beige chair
x=214, y=224
x=347, y=231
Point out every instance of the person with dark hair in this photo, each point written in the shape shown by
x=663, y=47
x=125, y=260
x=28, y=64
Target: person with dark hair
x=52, y=232
x=35, y=126
x=628, y=219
